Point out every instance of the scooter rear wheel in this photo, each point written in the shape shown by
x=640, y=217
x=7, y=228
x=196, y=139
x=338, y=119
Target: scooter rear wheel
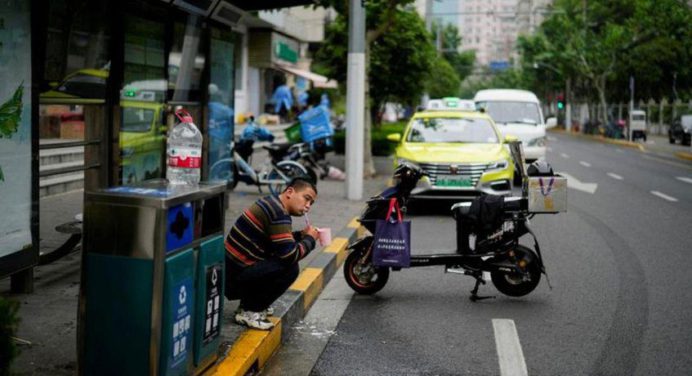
x=362, y=276
x=519, y=284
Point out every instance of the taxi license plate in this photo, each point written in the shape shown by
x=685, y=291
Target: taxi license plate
x=457, y=181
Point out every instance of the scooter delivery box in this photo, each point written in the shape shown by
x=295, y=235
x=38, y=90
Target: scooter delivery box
x=547, y=194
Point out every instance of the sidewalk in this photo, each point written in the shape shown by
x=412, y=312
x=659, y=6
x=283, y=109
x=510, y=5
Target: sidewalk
x=655, y=144
x=48, y=317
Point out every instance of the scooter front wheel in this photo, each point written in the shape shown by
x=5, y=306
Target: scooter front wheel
x=519, y=284
x=362, y=276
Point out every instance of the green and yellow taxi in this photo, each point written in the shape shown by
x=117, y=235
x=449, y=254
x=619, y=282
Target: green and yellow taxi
x=142, y=140
x=462, y=153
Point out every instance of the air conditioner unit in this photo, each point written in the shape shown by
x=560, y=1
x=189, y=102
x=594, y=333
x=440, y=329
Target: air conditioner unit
x=200, y=7
x=227, y=14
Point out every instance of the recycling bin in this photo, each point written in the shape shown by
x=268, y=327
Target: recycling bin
x=151, y=295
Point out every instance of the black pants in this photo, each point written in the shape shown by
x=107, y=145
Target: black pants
x=259, y=285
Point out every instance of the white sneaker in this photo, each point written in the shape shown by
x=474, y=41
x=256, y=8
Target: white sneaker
x=253, y=320
x=266, y=313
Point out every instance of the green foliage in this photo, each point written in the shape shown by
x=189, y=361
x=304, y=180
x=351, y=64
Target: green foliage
x=601, y=46
x=400, y=58
x=380, y=145
x=8, y=326
x=443, y=80
x=508, y=79
x=11, y=113
x=450, y=42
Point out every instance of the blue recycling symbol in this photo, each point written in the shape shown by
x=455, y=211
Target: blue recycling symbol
x=182, y=296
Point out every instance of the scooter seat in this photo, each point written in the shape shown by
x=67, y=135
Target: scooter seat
x=282, y=147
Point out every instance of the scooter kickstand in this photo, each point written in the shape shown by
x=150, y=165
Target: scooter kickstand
x=474, y=293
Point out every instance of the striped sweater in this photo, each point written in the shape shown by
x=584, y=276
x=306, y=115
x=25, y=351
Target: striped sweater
x=264, y=231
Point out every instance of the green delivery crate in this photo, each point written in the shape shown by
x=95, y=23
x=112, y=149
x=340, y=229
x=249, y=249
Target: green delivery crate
x=293, y=133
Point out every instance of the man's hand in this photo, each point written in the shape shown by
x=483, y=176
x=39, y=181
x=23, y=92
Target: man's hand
x=311, y=231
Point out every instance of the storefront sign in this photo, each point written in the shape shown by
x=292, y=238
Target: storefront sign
x=15, y=127
x=284, y=52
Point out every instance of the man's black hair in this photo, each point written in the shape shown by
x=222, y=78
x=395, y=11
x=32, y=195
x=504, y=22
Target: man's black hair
x=301, y=182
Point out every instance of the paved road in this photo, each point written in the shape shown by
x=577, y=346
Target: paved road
x=620, y=302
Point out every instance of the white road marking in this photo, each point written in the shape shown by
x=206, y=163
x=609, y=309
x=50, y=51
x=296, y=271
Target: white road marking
x=486, y=276
x=686, y=180
x=585, y=164
x=552, y=139
x=549, y=149
x=615, y=176
x=509, y=353
x=664, y=196
x=575, y=183
x=619, y=150
x=563, y=155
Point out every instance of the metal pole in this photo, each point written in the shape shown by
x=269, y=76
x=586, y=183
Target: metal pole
x=355, y=101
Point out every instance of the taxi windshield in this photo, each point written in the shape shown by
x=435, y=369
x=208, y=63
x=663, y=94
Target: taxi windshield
x=512, y=112
x=452, y=130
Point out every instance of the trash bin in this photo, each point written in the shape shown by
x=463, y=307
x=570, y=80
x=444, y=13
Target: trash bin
x=151, y=295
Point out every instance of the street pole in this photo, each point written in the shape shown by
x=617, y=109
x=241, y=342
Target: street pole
x=355, y=101
x=568, y=105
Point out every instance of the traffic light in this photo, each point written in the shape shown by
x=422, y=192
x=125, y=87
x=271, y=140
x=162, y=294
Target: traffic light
x=560, y=102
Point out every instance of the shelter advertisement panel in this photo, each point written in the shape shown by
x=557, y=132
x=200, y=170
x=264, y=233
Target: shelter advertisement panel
x=15, y=127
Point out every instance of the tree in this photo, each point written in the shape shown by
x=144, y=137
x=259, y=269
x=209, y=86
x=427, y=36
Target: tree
x=443, y=80
x=397, y=55
x=449, y=44
x=599, y=47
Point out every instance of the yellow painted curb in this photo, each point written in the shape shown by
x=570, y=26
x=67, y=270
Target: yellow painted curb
x=251, y=351
x=254, y=347
x=338, y=247
x=354, y=223
x=310, y=283
x=684, y=155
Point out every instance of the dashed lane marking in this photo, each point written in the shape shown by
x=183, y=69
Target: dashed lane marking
x=664, y=196
x=686, y=180
x=563, y=155
x=585, y=164
x=615, y=176
x=509, y=353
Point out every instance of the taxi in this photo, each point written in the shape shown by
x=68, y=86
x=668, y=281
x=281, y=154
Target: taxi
x=461, y=151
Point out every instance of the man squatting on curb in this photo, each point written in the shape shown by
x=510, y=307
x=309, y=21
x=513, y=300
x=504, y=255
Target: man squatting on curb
x=262, y=253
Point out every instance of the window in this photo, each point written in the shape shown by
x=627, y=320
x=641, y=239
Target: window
x=452, y=130
x=512, y=112
x=186, y=61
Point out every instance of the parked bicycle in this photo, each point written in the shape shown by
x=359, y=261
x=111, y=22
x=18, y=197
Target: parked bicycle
x=274, y=173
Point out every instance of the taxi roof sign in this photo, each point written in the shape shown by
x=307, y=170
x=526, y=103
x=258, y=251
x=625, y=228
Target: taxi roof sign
x=451, y=104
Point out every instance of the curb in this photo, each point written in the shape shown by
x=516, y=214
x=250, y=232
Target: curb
x=603, y=139
x=684, y=155
x=253, y=348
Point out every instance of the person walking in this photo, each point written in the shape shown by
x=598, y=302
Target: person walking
x=262, y=253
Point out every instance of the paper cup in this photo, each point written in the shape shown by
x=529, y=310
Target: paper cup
x=325, y=236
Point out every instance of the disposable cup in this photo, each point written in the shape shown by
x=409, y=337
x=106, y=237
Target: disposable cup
x=325, y=236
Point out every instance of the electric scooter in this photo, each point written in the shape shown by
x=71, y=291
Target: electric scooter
x=515, y=269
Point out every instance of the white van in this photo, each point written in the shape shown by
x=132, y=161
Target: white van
x=517, y=113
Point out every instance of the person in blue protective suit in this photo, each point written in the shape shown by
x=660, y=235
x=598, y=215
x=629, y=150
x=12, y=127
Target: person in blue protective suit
x=283, y=100
x=253, y=132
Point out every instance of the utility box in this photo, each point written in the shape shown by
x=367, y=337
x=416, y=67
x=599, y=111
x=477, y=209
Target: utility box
x=151, y=295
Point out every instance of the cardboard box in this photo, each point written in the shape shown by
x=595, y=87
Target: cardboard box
x=547, y=194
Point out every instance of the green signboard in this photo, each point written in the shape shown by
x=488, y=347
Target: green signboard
x=284, y=52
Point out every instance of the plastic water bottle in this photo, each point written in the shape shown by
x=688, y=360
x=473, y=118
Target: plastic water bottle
x=184, y=151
